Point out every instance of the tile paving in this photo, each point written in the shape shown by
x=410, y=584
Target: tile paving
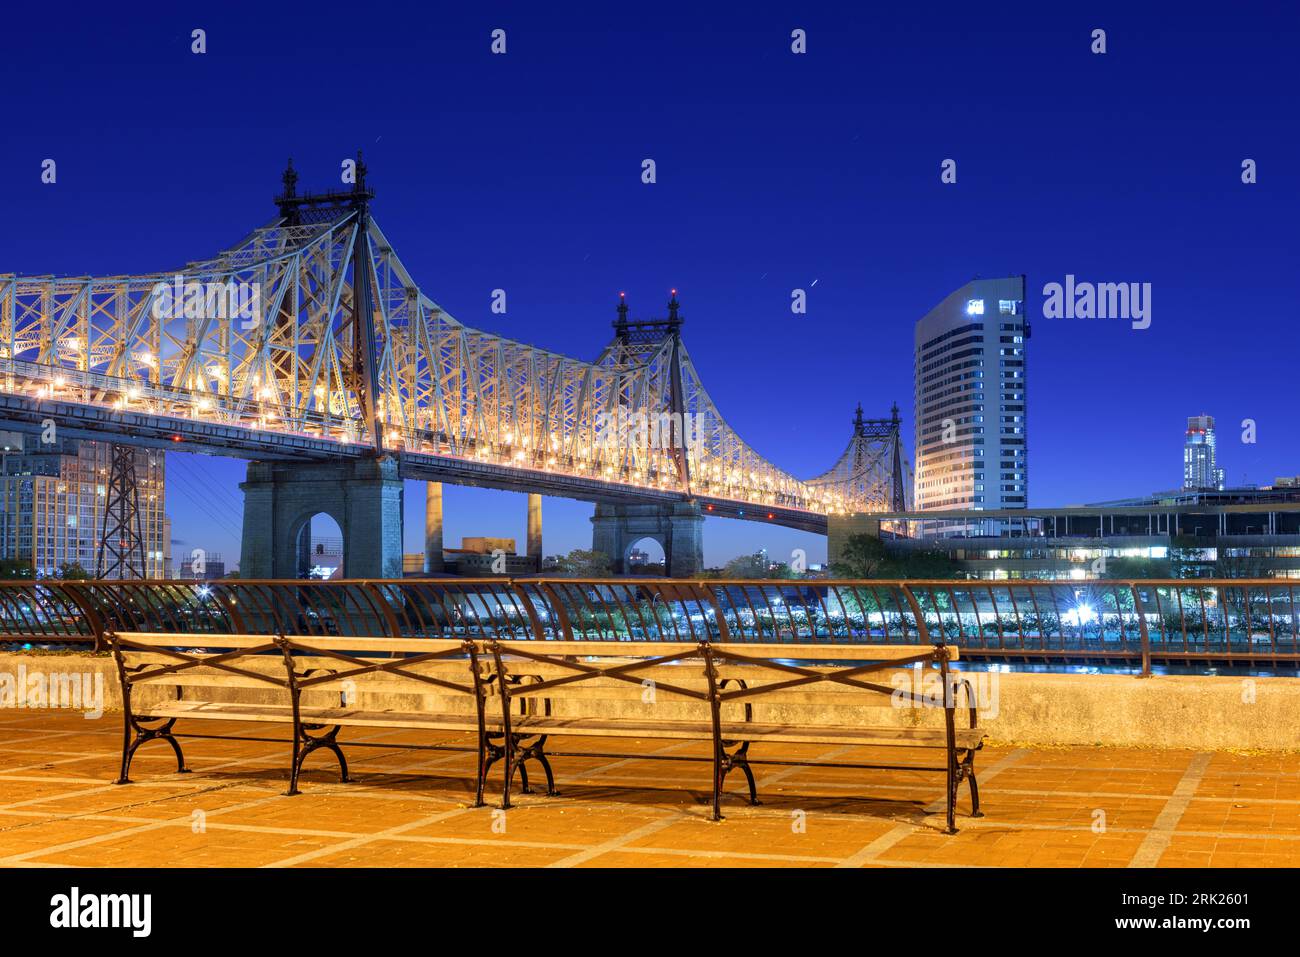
x=1052, y=807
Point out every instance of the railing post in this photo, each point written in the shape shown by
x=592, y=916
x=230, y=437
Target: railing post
x=1142, y=631
x=724, y=634
x=561, y=616
x=86, y=607
x=380, y=603
x=534, y=621
x=922, y=630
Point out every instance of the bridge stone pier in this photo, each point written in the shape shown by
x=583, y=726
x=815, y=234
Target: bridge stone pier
x=678, y=528
x=363, y=497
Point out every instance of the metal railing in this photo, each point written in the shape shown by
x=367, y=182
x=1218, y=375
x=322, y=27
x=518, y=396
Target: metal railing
x=1133, y=623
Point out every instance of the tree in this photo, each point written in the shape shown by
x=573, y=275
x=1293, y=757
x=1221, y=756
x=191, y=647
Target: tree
x=1130, y=569
x=863, y=556
x=922, y=563
x=746, y=566
x=583, y=563
x=72, y=571
x=14, y=568
x=866, y=556
x=1240, y=566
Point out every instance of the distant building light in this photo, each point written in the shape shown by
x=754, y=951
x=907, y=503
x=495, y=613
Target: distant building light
x=975, y=307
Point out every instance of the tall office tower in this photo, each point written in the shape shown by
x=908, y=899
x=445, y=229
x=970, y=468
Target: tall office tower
x=1200, y=465
x=52, y=500
x=970, y=401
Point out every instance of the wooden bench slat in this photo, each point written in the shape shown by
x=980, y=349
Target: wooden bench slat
x=792, y=651
x=742, y=731
x=818, y=694
x=348, y=717
x=360, y=643
x=589, y=727
x=186, y=641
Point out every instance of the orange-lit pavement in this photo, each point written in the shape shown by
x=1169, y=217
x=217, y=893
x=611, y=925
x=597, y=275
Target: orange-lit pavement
x=1067, y=807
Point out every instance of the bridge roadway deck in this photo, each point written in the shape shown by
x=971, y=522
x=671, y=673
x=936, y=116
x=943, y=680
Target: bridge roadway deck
x=97, y=423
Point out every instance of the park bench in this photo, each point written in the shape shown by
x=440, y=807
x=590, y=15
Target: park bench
x=315, y=686
x=551, y=688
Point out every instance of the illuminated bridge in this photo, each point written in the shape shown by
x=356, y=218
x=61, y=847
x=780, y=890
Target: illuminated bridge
x=309, y=349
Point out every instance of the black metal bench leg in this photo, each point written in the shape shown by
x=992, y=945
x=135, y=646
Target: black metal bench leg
x=717, y=788
x=550, y=777
x=954, y=772
x=128, y=752
x=753, y=787
x=180, y=755
x=508, y=757
x=128, y=749
x=740, y=759
x=294, y=766
x=308, y=744
x=969, y=764
x=482, y=773
x=535, y=752
x=143, y=734
x=343, y=762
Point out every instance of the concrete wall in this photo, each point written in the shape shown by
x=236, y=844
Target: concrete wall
x=1205, y=713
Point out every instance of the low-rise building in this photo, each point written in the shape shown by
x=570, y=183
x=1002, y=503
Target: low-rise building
x=1228, y=533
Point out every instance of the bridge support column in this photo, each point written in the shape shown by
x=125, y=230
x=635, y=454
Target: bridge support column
x=433, y=527
x=840, y=527
x=535, y=530
x=678, y=528
x=280, y=499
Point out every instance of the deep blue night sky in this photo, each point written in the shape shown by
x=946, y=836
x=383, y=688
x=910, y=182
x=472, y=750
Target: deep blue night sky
x=775, y=171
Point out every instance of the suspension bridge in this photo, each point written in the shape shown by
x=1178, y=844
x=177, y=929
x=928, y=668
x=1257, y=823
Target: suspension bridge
x=309, y=349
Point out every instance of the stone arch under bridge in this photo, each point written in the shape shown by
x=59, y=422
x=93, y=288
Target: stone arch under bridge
x=678, y=528
x=363, y=497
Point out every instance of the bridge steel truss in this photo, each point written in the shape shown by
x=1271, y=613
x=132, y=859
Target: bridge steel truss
x=126, y=357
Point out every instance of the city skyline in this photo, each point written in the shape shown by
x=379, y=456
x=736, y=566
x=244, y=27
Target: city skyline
x=763, y=187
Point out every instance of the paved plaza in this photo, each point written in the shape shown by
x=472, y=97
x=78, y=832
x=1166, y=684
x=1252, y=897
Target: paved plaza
x=1059, y=807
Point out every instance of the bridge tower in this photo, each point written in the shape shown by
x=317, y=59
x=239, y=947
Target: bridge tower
x=678, y=527
x=363, y=497
x=874, y=471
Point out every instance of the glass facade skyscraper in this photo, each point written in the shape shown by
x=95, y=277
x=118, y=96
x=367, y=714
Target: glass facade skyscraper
x=971, y=450
x=1200, y=459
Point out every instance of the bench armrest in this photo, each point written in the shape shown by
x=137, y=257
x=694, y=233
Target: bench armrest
x=970, y=698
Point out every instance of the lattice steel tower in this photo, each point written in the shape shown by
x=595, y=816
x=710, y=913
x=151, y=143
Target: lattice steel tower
x=121, y=544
